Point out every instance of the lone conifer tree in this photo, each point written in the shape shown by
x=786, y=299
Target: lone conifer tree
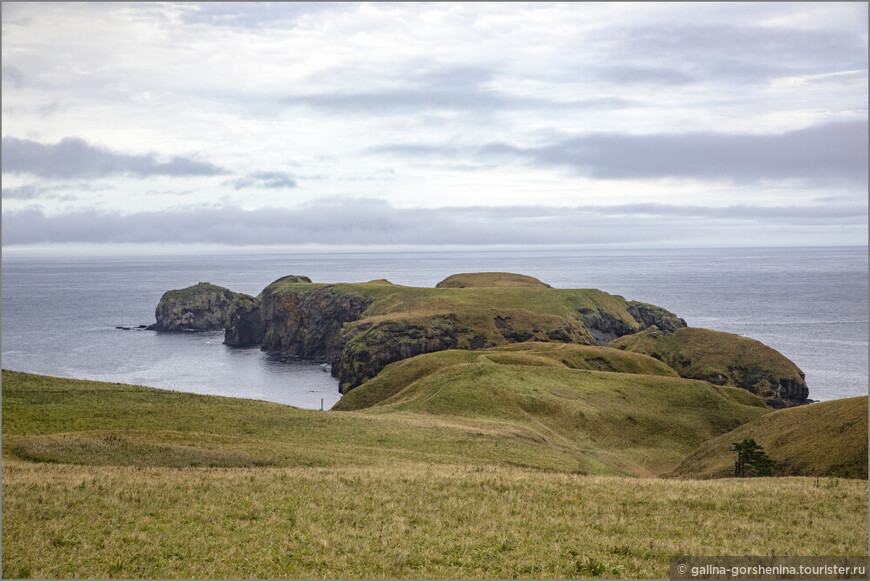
x=750, y=454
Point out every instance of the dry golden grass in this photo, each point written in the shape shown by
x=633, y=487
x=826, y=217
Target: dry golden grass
x=821, y=439
x=405, y=521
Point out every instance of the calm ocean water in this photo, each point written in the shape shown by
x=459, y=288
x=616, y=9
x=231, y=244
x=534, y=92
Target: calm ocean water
x=59, y=313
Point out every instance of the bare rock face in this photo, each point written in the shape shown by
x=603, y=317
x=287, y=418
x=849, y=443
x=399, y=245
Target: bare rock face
x=202, y=307
x=307, y=325
x=244, y=322
x=652, y=316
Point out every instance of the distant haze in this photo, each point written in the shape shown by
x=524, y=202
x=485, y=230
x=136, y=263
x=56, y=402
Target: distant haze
x=182, y=125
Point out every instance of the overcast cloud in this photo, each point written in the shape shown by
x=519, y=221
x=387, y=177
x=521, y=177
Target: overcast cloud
x=74, y=158
x=691, y=124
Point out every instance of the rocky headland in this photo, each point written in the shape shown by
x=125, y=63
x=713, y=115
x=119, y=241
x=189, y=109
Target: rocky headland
x=360, y=328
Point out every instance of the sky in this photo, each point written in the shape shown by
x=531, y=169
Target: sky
x=442, y=125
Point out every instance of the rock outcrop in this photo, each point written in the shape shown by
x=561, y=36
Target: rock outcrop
x=724, y=359
x=244, y=322
x=652, y=316
x=369, y=347
x=202, y=307
x=307, y=324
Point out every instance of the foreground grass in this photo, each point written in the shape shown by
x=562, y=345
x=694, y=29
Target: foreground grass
x=404, y=521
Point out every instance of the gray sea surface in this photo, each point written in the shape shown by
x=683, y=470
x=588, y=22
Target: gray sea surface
x=60, y=313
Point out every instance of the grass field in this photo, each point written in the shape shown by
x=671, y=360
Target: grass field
x=108, y=480
x=404, y=521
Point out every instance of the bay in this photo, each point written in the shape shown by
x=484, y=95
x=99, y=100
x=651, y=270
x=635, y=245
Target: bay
x=60, y=313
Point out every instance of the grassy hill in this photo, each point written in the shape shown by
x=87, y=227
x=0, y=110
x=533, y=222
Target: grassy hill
x=822, y=439
x=490, y=279
x=636, y=417
x=108, y=480
x=723, y=359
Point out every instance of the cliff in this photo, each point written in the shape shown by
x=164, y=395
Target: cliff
x=202, y=307
x=244, y=322
x=360, y=328
x=724, y=359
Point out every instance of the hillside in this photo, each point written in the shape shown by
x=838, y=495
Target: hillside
x=822, y=439
x=723, y=359
x=617, y=413
x=117, y=481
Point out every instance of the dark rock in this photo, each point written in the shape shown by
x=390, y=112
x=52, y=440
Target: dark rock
x=366, y=353
x=650, y=315
x=603, y=326
x=244, y=323
x=307, y=324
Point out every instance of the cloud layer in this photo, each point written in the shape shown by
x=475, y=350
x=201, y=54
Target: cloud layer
x=835, y=152
x=472, y=123
x=375, y=222
x=73, y=157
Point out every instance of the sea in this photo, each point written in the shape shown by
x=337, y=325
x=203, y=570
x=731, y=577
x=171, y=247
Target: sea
x=60, y=314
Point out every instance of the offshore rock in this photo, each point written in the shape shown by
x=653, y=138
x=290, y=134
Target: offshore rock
x=202, y=307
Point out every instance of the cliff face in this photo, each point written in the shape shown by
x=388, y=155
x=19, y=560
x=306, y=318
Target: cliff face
x=366, y=347
x=307, y=324
x=650, y=315
x=202, y=307
x=244, y=322
x=361, y=328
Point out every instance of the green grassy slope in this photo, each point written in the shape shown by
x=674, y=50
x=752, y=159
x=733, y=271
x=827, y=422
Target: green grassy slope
x=399, y=302
x=720, y=358
x=107, y=480
x=556, y=395
x=402, y=373
x=490, y=279
x=821, y=439
x=63, y=420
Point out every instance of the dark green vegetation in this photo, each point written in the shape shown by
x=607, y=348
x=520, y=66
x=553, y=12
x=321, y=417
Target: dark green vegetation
x=723, y=359
x=822, y=439
x=468, y=471
x=751, y=460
